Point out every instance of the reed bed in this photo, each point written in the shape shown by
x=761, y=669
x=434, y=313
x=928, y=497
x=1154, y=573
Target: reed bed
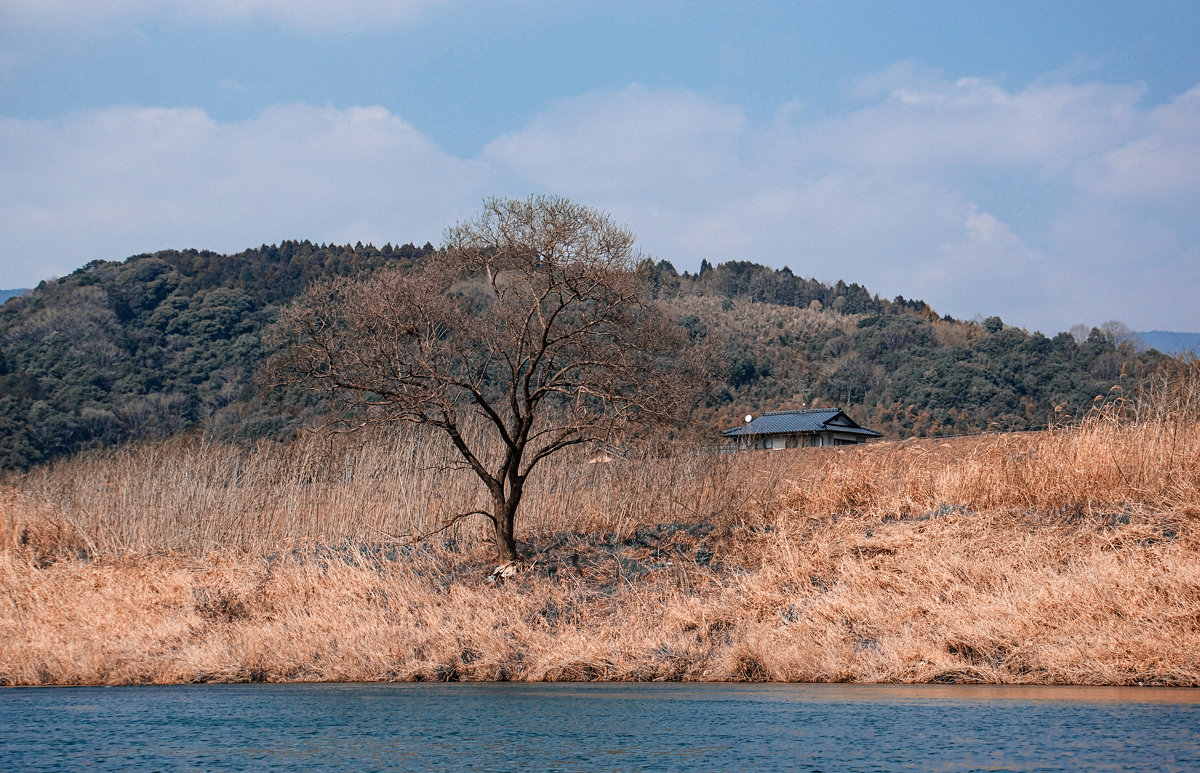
x=1070, y=556
x=197, y=497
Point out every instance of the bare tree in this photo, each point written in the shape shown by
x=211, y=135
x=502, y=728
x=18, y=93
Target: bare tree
x=1119, y=333
x=533, y=320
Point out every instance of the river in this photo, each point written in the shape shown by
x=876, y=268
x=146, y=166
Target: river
x=602, y=727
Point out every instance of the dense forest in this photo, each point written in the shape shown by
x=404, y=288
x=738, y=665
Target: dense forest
x=154, y=345
x=894, y=365
x=167, y=341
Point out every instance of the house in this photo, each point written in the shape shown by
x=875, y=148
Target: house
x=799, y=429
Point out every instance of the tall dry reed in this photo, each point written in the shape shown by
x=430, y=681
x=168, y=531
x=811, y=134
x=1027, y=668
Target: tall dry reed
x=1065, y=556
x=960, y=597
x=196, y=496
x=1141, y=452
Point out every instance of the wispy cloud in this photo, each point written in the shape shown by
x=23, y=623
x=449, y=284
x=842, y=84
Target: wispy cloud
x=974, y=123
x=1158, y=163
x=956, y=190
x=314, y=16
x=116, y=182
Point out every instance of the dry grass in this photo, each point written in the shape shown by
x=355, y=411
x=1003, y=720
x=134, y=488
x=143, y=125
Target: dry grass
x=195, y=497
x=1068, y=556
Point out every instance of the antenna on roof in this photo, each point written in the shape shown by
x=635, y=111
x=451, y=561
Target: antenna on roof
x=749, y=418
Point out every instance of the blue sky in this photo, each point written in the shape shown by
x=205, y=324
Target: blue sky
x=1040, y=161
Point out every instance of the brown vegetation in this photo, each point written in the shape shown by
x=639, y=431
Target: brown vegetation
x=534, y=321
x=1065, y=556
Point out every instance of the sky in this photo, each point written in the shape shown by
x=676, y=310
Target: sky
x=1036, y=161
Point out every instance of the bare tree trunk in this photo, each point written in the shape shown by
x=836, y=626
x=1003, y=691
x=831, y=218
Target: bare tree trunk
x=504, y=510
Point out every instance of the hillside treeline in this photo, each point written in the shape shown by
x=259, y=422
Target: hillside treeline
x=895, y=365
x=167, y=341
x=154, y=345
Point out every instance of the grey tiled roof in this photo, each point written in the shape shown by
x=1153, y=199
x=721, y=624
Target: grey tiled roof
x=787, y=422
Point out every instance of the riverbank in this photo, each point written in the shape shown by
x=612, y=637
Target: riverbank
x=1064, y=557
x=956, y=597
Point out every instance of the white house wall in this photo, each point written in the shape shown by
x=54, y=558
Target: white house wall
x=816, y=440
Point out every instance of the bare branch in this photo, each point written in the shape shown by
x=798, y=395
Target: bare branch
x=416, y=538
x=533, y=316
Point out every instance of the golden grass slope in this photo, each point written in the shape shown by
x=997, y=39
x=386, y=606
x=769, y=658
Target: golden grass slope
x=1069, y=556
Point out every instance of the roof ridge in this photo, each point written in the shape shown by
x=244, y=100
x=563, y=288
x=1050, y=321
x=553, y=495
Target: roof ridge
x=835, y=409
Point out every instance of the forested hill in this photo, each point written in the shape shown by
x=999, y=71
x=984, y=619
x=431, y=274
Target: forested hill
x=894, y=365
x=162, y=342
x=152, y=345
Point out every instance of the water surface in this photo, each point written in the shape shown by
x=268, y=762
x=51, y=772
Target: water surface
x=567, y=727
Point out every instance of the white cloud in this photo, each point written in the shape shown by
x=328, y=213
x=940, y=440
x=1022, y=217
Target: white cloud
x=975, y=123
x=112, y=183
x=613, y=145
x=664, y=162
x=309, y=15
x=1160, y=164
x=985, y=262
x=970, y=195
x=1049, y=205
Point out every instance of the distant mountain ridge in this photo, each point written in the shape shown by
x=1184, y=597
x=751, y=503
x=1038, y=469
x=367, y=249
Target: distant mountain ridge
x=6, y=294
x=1170, y=342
